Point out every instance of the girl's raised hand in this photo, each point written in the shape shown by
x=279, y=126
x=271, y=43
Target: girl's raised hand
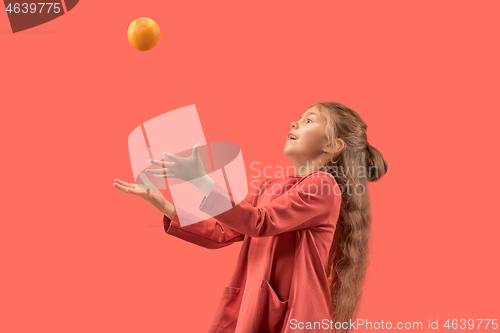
x=187, y=169
x=151, y=194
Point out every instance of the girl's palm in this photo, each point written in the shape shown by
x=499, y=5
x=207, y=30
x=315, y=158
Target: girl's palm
x=151, y=194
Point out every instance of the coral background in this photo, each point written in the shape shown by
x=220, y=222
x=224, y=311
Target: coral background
x=78, y=255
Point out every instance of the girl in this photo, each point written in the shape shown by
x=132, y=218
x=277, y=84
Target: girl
x=305, y=236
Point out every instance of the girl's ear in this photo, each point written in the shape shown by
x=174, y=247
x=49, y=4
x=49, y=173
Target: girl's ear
x=339, y=145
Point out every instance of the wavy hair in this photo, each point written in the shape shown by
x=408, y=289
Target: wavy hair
x=348, y=258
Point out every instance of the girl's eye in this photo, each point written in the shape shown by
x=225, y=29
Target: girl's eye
x=308, y=119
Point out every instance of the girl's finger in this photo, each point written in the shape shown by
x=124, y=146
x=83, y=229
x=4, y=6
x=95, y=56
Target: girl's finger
x=161, y=163
x=145, y=179
x=147, y=182
x=121, y=182
x=164, y=175
x=121, y=187
x=196, y=150
x=172, y=157
x=157, y=171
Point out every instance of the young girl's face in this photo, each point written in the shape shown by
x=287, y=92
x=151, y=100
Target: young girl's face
x=310, y=131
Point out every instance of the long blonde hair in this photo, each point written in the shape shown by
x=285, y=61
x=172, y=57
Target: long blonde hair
x=348, y=258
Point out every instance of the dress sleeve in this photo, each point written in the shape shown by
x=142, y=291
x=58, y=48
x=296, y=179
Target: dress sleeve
x=208, y=233
x=306, y=205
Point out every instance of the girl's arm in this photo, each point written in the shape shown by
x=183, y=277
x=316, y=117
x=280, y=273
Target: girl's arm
x=310, y=203
x=208, y=233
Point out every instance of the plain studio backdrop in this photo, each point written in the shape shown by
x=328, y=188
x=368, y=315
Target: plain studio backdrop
x=78, y=255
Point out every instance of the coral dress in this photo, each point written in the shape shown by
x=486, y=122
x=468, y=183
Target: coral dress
x=287, y=228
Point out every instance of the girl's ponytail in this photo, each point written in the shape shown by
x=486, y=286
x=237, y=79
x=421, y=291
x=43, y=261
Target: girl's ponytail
x=376, y=164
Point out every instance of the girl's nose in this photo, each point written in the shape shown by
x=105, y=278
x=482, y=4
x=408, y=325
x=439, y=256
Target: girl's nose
x=293, y=124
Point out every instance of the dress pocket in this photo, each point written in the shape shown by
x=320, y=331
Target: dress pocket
x=270, y=313
x=226, y=315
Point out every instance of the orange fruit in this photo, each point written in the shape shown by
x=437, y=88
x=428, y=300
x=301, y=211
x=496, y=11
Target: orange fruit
x=143, y=33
